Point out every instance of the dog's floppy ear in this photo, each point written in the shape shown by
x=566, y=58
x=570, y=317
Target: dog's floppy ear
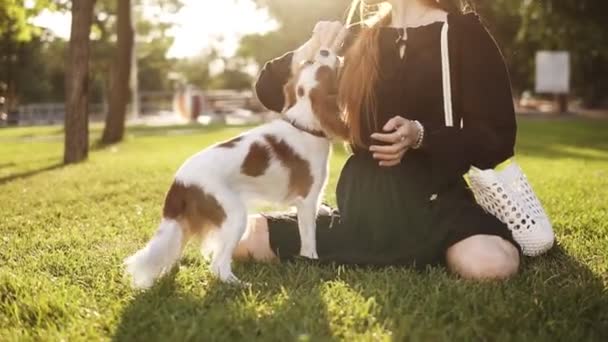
x=324, y=102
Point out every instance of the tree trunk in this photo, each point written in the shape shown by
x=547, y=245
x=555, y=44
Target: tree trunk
x=121, y=71
x=77, y=84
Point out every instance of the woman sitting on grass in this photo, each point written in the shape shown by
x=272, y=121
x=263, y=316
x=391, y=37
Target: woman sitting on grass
x=402, y=199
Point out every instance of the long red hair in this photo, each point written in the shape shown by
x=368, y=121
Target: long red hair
x=361, y=70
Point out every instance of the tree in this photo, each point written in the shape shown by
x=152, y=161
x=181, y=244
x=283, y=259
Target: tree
x=32, y=59
x=77, y=77
x=16, y=31
x=121, y=72
x=154, y=49
x=151, y=37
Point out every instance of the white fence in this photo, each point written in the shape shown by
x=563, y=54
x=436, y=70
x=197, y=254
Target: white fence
x=150, y=104
x=52, y=114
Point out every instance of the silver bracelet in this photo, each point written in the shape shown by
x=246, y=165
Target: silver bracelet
x=420, y=137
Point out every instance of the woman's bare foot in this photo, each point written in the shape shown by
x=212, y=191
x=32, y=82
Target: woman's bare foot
x=255, y=243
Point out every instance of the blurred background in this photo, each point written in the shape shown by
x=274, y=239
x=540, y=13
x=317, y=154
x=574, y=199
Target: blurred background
x=195, y=60
x=167, y=78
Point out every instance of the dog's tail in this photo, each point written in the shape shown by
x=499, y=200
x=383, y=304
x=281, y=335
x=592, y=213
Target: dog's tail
x=158, y=257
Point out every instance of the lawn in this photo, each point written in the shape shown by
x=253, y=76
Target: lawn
x=65, y=230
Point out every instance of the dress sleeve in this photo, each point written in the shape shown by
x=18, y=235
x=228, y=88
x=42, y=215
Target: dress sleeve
x=487, y=137
x=270, y=82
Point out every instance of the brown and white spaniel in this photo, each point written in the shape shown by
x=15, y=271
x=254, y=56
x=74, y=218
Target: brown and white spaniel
x=284, y=161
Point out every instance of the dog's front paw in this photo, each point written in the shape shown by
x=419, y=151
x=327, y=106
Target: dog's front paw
x=310, y=253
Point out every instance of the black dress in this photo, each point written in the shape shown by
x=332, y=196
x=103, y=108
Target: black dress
x=411, y=213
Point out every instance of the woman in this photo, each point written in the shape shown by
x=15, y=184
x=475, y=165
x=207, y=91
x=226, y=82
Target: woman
x=401, y=196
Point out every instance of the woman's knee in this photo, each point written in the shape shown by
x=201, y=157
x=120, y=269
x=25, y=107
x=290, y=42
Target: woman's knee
x=255, y=243
x=484, y=257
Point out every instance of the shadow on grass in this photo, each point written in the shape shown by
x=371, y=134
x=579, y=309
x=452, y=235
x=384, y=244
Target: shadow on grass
x=5, y=165
x=167, y=312
x=97, y=145
x=31, y=173
x=555, y=296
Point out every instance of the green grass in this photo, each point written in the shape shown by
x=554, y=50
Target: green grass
x=65, y=230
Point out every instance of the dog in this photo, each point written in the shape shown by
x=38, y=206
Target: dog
x=284, y=161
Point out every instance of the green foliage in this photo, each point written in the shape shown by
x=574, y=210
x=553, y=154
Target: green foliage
x=153, y=42
x=578, y=26
x=195, y=70
x=230, y=74
x=16, y=32
x=42, y=69
x=15, y=16
x=152, y=39
x=34, y=59
x=231, y=79
x=65, y=230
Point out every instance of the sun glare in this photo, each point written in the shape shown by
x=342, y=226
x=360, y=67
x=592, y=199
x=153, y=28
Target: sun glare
x=216, y=23
x=199, y=25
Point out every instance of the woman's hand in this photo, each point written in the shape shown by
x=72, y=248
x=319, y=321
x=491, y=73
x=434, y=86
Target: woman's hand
x=402, y=135
x=326, y=35
x=329, y=35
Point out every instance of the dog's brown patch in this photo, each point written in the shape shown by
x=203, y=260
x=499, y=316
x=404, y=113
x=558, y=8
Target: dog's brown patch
x=300, y=177
x=231, y=143
x=191, y=205
x=324, y=103
x=257, y=160
x=300, y=91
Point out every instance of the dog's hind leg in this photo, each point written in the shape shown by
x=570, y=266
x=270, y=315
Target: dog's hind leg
x=227, y=237
x=158, y=256
x=307, y=225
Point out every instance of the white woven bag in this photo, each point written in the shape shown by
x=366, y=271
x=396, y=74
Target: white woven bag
x=506, y=194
